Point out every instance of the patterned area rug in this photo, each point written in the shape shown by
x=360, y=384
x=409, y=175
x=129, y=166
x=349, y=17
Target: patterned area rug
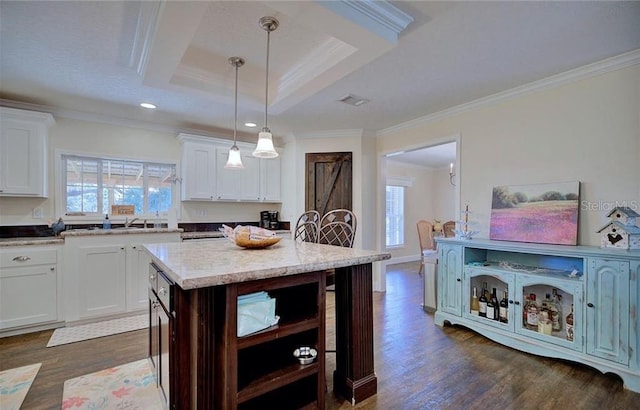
x=130, y=386
x=72, y=334
x=14, y=385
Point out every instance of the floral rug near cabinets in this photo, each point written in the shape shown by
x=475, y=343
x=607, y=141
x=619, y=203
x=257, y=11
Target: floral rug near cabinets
x=73, y=334
x=15, y=384
x=129, y=386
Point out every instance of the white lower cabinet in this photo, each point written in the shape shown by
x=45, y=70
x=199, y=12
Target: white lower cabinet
x=106, y=275
x=138, y=261
x=29, y=286
x=102, y=280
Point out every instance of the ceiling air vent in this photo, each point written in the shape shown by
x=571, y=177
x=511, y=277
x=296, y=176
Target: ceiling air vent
x=354, y=100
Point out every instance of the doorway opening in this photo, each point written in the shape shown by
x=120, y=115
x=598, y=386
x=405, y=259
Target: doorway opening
x=433, y=194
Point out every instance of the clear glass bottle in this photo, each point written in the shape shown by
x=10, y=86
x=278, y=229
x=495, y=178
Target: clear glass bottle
x=555, y=309
x=570, y=324
x=544, y=323
x=475, y=303
x=504, y=308
x=532, y=310
x=106, y=223
x=524, y=311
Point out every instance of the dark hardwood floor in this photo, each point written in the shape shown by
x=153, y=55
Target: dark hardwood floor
x=419, y=365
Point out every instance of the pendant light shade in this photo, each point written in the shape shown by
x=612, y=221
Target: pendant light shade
x=264, y=148
x=235, y=159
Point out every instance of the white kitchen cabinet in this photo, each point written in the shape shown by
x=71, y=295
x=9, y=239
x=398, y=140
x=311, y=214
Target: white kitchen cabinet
x=138, y=261
x=270, y=174
x=106, y=273
x=30, y=286
x=23, y=152
x=198, y=172
x=238, y=184
x=204, y=177
x=102, y=280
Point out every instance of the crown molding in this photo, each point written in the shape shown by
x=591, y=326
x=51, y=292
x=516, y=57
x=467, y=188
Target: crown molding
x=145, y=32
x=591, y=70
x=330, y=53
x=380, y=17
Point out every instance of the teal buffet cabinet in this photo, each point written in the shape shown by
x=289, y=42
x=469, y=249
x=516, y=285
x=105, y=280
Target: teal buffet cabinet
x=592, y=294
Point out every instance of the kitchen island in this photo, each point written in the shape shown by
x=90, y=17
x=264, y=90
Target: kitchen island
x=204, y=364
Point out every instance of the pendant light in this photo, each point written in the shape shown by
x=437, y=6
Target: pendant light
x=264, y=148
x=235, y=159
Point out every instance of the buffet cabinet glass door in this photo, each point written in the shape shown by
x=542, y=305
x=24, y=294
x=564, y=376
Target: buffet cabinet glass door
x=485, y=281
x=558, y=301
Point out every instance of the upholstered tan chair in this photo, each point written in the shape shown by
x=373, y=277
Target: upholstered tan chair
x=427, y=244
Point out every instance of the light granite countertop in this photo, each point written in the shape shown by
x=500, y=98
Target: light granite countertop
x=117, y=231
x=199, y=264
x=28, y=241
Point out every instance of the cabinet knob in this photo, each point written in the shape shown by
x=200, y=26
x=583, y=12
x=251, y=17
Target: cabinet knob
x=516, y=302
x=162, y=291
x=590, y=304
x=152, y=276
x=458, y=280
x=52, y=269
x=511, y=302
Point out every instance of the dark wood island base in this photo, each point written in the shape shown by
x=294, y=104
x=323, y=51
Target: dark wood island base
x=202, y=363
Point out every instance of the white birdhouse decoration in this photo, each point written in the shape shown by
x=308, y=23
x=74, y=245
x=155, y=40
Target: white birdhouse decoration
x=621, y=232
x=624, y=215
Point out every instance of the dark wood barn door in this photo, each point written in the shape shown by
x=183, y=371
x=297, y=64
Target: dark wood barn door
x=329, y=181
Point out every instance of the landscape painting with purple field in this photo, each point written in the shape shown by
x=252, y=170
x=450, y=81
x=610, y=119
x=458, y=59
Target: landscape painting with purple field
x=540, y=213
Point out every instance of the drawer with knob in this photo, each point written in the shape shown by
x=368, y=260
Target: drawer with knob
x=11, y=258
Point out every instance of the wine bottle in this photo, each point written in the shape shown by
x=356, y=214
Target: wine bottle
x=570, y=324
x=496, y=305
x=504, y=308
x=491, y=308
x=475, y=304
x=482, y=302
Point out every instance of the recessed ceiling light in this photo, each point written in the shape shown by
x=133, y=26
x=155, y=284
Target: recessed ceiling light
x=148, y=105
x=250, y=124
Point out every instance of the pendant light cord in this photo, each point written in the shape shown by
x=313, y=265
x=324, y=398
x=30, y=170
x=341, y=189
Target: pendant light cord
x=235, y=113
x=266, y=84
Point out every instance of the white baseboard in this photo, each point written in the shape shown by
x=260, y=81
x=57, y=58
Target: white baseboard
x=403, y=259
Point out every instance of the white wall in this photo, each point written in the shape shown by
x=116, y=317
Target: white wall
x=587, y=130
x=102, y=139
x=363, y=180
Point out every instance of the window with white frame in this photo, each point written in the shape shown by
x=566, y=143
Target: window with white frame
x=395, y=216
x=91, y=185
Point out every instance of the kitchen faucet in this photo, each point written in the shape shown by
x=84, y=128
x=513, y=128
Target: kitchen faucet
x=128, y=223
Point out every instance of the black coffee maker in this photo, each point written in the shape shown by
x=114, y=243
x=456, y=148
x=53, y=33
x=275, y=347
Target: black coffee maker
x=269, y=220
